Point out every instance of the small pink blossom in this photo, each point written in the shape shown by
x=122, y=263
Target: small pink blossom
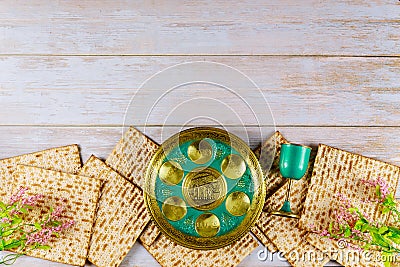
x=56, y=214
x=5, y=220
x=32, y=200
x=383, y=186
x=44, y=235
x=18, y=196
x=324, y=233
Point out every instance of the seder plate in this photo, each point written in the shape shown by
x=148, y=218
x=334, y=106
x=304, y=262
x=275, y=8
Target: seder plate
x=204, y=188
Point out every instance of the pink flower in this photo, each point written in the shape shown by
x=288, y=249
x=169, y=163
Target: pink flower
x=324, y=233
x=32, y=200
x=18, y=196
x=383, y=186
x=44, y=235
x=56, y=214
x=344, y=200
x=5, y=220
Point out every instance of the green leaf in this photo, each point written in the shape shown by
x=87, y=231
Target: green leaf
x=38, y=226
x=380, y=240
x=56, y=223
x=378, y=191
x=330, y=227
x=3, y=206
x=12, y=244
x=358, y=225
x=385, y=210
x=347, y=232
x=383, y=229
x=367, y=246
x=24, y=210
x=365, y=227
x=44, y=247
x=394, y=230
x=16, y=221
x=353, y=210
x=8, y=233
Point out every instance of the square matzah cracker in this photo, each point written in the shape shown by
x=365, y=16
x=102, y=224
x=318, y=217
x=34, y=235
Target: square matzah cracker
x=78, y=194
x=149, y=234
x=268, y=155
x=285, y=233
x=169, y=254
x=131, y=156
x=348, y=257
x=337, y=171
x=121, y=215
x=65, y=159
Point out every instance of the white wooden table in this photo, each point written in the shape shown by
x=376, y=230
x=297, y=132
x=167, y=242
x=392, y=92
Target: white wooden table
x=329, y=69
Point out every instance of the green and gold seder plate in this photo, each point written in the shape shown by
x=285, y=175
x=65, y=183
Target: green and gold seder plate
x=204, y=188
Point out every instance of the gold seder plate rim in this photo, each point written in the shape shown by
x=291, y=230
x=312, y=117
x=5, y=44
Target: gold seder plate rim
x=253, y=213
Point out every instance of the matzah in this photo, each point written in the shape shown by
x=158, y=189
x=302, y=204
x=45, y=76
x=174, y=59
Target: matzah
x=348, y=257
x=337, y=171
x=263, y=239
x=78, y=194
x=66, y=159
x=284, y=233
x=131, y=156
x=121, y=215
x=268, y=154
x=169, y=254
x=149, y=234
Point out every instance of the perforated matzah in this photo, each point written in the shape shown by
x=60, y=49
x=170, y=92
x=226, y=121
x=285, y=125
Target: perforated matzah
x=149, y=234
x=121, y=215
x=284, y=233
x=348, y=257
x=168, y=253
x=78, y=194
x=268, y=154
x=66, y=159
x=130, y=159
x=337, y=171
x=131, y=156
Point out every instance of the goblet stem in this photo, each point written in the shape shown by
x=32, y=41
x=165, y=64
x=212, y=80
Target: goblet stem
x=288, y=190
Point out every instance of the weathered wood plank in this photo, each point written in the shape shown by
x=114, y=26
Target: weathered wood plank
x=300, y=90
x=200, y=27
x=376, y=142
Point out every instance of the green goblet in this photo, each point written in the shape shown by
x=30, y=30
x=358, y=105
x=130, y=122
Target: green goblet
x=293, y=164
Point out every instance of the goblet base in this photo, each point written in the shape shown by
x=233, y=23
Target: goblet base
x=286, y=214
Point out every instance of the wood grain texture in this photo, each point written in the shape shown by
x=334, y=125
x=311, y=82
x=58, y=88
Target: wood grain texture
x=200, y=27
x=300, y=90
x=329, y=70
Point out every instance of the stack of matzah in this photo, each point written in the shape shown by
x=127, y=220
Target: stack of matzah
x=124, y=159
x=52, y=173
x=121, y=215
x=106, y=201
x=283, y=234
x=78, y=194
x=66, y=159
x=335, y=171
